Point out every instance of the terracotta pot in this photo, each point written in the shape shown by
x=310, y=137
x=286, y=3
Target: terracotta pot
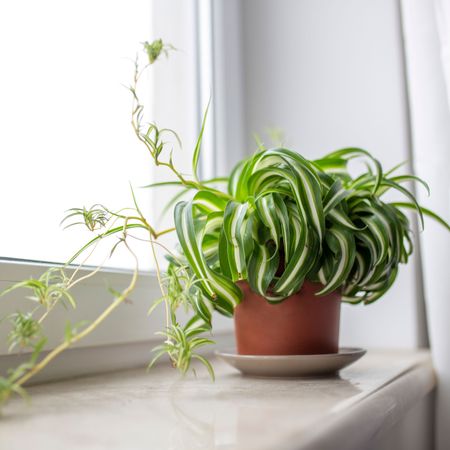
x=302, y=324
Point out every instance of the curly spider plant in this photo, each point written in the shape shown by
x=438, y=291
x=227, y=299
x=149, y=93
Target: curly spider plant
x=288, y=219
x=283, y=220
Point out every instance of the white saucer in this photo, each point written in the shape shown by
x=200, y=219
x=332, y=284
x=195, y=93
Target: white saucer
x=291, y=365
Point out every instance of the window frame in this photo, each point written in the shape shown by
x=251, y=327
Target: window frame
x=214, y=62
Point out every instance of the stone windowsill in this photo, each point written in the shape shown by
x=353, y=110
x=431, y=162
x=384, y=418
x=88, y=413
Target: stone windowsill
x=158, y=410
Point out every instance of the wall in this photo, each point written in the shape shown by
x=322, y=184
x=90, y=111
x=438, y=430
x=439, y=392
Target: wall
x=427, y=34
x=331, y=75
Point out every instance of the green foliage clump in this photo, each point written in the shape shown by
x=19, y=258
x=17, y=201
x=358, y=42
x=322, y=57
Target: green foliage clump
x=280, y=220
x=288, y=219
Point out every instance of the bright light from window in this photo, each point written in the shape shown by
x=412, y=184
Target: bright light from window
x=65, y=135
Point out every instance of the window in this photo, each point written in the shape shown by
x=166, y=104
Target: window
x=66, y=140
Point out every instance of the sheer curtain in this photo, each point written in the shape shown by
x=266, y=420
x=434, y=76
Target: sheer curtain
x=427, y=37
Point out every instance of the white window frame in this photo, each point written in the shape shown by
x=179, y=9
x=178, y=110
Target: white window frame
x=129, y=327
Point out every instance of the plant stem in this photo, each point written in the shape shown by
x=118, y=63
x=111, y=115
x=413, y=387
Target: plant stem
x=87, y=258
x=152, y=146
x=166, y=231
x=66, y=344
x=160, y=282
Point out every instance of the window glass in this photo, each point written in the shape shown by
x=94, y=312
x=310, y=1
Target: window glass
x=65, y=136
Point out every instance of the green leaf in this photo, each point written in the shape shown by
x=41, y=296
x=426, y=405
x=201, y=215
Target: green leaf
x=309, y=183
x=300, y=264
x=333, y=166
x=197, y=149
x=263, y=265
x=208, y=202
x=221, y=289
x=108, y=233
x=334, y=196
x=380, y=234
x=184, y=224
x=154, y=305
x=353, y=152
x=283, y=218
x=339, y=217
x=269, y=217
x=202, y=307
x=343, y=258
x=207, y=364
x=234, y=229
x=424, y=211
x=164, y=184
x=408, y=194
x=403, y=178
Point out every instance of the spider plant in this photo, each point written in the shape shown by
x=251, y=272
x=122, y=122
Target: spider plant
x=284, y=219
x=289, y=219
x=280, y=220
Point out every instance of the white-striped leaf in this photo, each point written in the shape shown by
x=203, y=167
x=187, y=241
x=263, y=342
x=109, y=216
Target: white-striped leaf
x=216, y=286
x=208, y=202
x=234, y=230
x=344, y=257
x=262, y=267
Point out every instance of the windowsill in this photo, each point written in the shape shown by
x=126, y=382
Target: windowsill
x=133, y=410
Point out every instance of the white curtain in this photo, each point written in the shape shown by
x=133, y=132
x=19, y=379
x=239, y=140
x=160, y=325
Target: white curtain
x=426, y=26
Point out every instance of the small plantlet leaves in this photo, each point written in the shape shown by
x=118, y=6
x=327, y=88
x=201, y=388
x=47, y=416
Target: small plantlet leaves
x=37, y=349
x=155, y=304
x=10, y=384
x=94, y=218
x=8, y=387
x=25, y=330
x=52, y=287
x=181, y=345
x=155, y=49
x=72, y=330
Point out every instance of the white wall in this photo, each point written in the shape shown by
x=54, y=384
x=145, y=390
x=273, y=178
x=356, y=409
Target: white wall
x=429, y=87
x=228, y=95
x=331, y=74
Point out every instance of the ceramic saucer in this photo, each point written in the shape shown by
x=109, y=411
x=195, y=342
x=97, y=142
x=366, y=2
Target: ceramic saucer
x=291, y=365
